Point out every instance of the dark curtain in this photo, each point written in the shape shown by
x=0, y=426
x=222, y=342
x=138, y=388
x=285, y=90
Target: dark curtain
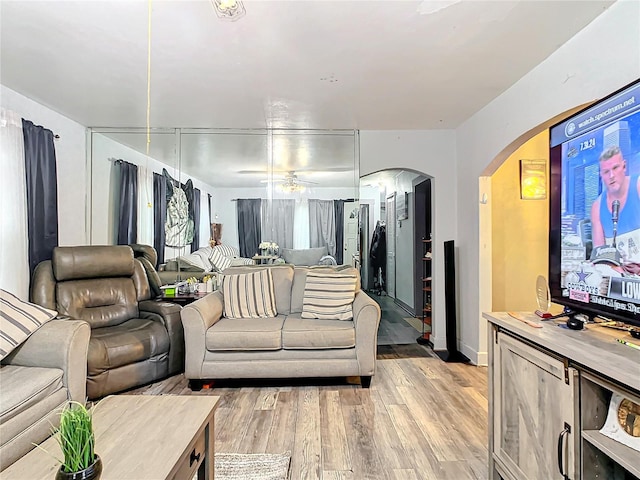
x=159, y=214
x=128, y=214
x=249, y=226
x=338, y=207
x=42, y=192
x=195, y=207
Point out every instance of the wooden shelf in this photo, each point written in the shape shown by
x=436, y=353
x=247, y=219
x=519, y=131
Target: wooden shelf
x=426, y=241
x=426, y=279
x=625, y=456
x=426, y=289
x=426, y=258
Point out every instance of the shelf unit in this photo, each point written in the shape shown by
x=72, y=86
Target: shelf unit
x=603, y=456
x=425, y=335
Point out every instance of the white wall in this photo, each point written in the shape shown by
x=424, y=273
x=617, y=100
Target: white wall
x=598, y=60
x=71, y=163
x=432, y=153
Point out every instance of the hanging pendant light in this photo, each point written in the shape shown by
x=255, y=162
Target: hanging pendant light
x=230, y=10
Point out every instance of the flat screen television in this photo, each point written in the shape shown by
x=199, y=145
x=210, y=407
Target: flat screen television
x=594, y=241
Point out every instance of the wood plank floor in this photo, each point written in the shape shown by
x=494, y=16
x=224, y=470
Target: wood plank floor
x=421, y=419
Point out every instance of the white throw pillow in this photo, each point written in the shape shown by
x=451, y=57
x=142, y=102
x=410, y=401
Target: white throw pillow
x=197, y=259
x=18, y=320
x=249, y=295
x=329, y=296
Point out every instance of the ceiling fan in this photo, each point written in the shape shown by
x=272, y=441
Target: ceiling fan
x=290, y=183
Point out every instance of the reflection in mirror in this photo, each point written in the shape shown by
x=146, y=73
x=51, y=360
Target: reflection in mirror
x=280, y=189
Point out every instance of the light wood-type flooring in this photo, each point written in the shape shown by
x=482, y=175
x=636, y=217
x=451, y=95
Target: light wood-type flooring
x=421, y=419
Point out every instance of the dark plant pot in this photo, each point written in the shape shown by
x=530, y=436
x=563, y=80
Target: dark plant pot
x=92, y=472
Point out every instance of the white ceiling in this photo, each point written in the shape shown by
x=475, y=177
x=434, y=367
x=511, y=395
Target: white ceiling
x=288, y=64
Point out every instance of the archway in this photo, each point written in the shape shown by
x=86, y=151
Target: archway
x=511, y=228
x=394, y=202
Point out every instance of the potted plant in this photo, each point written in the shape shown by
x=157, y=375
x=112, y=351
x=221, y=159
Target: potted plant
x=76, y=438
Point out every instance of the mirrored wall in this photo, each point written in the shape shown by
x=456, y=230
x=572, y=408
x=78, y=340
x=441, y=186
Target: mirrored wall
x=296, y=189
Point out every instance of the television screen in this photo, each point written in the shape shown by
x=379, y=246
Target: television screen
x=594, y=249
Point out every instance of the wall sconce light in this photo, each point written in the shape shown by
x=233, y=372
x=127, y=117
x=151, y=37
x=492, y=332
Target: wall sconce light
x=533, y=179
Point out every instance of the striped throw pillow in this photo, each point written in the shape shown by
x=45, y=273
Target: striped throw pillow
x=329, y=296
x=219, y=261
x=18, y=320
x=227, y=250
x=249, y=295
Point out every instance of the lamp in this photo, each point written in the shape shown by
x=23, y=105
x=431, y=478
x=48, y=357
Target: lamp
x=229, y=9
x=533, y=179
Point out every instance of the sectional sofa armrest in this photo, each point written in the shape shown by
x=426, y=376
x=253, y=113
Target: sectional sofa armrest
x=59, y=344
x=170, y=314
x=197, y=318
x=366, y=317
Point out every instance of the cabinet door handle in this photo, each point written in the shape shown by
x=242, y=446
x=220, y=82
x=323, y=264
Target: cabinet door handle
x=567, y=430
x=193, y=458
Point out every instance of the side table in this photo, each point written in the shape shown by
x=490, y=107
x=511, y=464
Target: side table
x=182, y=298
x=264, y=259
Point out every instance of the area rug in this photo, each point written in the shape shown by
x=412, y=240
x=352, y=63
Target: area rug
x=252, y=466
x=415, y=323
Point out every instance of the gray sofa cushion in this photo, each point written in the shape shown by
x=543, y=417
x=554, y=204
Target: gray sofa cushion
x=245, y=334
x=23, y=387
x=303, y=333
x=304, y=256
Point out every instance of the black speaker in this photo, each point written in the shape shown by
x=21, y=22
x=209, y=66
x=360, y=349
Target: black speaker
x=451, y=354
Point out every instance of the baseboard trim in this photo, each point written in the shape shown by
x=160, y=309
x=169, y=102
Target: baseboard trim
x=480, y=359
x=405, y=307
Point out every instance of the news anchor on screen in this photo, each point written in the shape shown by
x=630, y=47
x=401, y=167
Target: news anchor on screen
x=615, y=214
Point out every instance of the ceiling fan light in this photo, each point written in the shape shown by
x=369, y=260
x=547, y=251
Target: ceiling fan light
x=291, y=187
x=229, y=9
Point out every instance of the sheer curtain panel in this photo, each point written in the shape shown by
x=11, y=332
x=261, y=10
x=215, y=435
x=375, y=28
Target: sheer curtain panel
x=14, y=256
x=145, y=205
x=301, y=224
x=322, y=225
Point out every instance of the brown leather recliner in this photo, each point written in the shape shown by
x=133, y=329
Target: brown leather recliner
x=134, y=340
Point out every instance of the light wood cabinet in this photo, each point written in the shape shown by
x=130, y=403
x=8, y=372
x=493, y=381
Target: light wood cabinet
x=549, y=394
x=534, y=436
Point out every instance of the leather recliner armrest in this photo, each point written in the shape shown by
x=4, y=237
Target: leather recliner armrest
x=170, y=314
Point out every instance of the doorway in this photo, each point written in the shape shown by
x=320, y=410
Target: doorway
x=394, y=205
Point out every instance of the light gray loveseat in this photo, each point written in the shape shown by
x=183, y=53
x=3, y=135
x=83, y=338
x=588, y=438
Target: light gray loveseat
x=37, y=379
x=285, y=346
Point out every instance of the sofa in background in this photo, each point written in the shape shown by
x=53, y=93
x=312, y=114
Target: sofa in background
x=204, y=261
x=38, y=378
x=284, y=346
x=307, y=256
x=134, y=339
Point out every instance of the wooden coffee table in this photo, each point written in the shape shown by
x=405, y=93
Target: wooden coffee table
x=139, y=437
